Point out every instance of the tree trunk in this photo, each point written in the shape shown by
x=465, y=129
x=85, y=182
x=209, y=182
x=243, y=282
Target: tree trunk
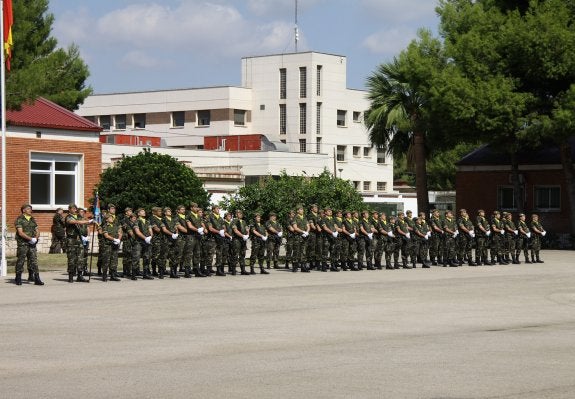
x=421, y=172
x=569, y=173
x=517, y=186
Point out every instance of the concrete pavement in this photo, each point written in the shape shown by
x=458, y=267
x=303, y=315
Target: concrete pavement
x=468, y=332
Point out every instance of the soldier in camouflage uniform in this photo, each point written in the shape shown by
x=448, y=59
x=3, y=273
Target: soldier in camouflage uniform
x=170, y=249
x=511, y=234
x=538, y=232
x=85, y=242
x=353, y=245
x=157, y=239
x=301, y=233
x=273, y=244
x=450, y=228
x=142, y=247
x=74, y=248
x=365, y=248
x=27, y=235
x=215, y=238
x=289, y=238
x=314, y=243
x=411, y=244
x=126, y=243
x=386, y=238
x=239, y=242
x=192, y=252
x=523, y=240
x=112, y=237
x=436, y=239
x=465, y=238
x=497, y=239
x=331, y=233
x=396, y=241
x=376, y=245
x=227, y=244
x=483, y=232
x=58, y=232
x=348, y=234
x=422, y=234
x=259, y=236
x=402, y=231
x=340, y=239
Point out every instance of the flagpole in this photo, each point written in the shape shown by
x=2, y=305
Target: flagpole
x=3, y=265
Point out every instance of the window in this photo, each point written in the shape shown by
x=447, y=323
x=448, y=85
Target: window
x=381, y=186
x=366, y=151
x=139, y=121
x=239, y=117
x=380, y=155
x=262, y=107
x=105, y=122
x=366, y=185
x=318, y=145
x=303, y=82
x=318, y=119
x=302, y=119
x=318, y=77
x=356, y=185
x=283, y=119
x=548, y=198
x=356, y=151
x=53, y=179
x=341, y=117
x=178, y=119
x=340, y=153
x=204, y=117
x=120, y=122
x=110, y=139
x=302, y=145
x=505, y=198
x=356, y=116
x=283, y=85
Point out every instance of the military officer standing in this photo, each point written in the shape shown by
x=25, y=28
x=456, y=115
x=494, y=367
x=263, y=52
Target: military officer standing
x=74, y=247
x=195, y=230
x=483, y=232
x=289, y=238
x=142, y=248
x=422, y=235
x=386, y=238
x=170, y=244
x=331, y=232
x=402, y=231
x=301, y=232
x=215, y=238
x=451, y=233
x=436, y=239
x=498, y=229
x=523, y=240
x=538, y=234
x=275, y=234
x=157, y=239
x=466, y=238
x=349, y=233
x=58, y=232
x=227, y=244
x=112, y=237
x=259, y=237
x=239, y=242
x=365, y=248
x=511, y=234
x=27, y=235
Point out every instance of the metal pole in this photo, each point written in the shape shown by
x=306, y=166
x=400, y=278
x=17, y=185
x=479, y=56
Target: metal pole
x=3, y=265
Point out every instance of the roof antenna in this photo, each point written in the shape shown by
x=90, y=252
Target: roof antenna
x=296, y=28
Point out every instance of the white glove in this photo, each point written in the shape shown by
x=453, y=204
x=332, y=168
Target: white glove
x=488, y=233
x=148, y=239
x=305, y=234
x=116, y=241
x=370, y=236
x=280, y=234
x=245, y=237
x=456, y=233
x=352, y=236
x=265, y=238
x=201, y=231
x=91, y=221
x=528, y=234
x=222, y=233
x=33, y=241
x=426, y=237
x=502, y=232
x=516, y=232
x=407, y=235
x=543, y=233
x=174, y=236
x=334, y=234
x=390, y=233
x=472, y=234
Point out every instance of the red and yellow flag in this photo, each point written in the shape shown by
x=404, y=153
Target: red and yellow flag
x=8, y=21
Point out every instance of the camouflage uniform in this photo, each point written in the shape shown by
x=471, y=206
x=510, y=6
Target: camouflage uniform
x=273, y=243
x=227, y=246
x=497, y=239
x=449, y=255
x=258, y=246
x=126, y=244
x=537, y=234
x=299, y=244
x=511, y=235
x=365, y=248
x=421, y=234
x=523, y=240
x=74, y=248
x=170, y=249
x=58, y=233
x=436, y=239
x=192, y=251
x=109, y=249
x=347, y=241
x=412, y=242
x=142, y=249
x=26, y=250
x=314, y=242
x=289, y=240
x=482, y=241
x=331, y=242
x=465, y=240
x=157, y=241
x=403, y=227
x=239, y=244
x=214, y=243
x=386, y=241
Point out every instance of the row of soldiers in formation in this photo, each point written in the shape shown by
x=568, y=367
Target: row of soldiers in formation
x=192, y=242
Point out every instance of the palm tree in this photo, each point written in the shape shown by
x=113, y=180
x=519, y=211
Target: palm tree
x=395, y=121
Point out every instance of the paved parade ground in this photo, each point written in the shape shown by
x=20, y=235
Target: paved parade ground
x=467, y=332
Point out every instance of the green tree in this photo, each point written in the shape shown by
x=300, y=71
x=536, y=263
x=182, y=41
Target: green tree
x=511, y=71
x=286, y=192
x=150, y=179
x=38, y=66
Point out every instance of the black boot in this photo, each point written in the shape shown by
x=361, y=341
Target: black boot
x=276, y=266
x=154, y=272
x=30, y=276
x=146, y=275
x=174, y=272
x=18, y=279
x=527, y=259
x=81, y=278
x=252, y=270
x=70, y=277
x=333, y=268
x=232, y=270
x=351, y=265
x=433, y=262
x=323, y=267
x=294, y=267
x=105, y=276
x=220, y=271
x=263, y=271
x=114, y=276
x=243, y=270
x=344, y=266
x=388, y=265
x=471, y=262
x=37, y=280
x=426, y=264
x=539, y=260
x=304, y=268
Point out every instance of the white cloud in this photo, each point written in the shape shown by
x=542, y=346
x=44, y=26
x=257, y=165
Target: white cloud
x=389, y=42
x=140, y=59
x=279, y=7
x=399, y=11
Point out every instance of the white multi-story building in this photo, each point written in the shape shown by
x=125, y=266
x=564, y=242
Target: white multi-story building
x=293, y=112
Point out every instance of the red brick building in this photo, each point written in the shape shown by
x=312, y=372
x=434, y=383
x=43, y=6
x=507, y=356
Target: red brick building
x=484, y=181
x=53, y=158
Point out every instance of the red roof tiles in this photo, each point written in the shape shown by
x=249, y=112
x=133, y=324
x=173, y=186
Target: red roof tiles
x=46, y=114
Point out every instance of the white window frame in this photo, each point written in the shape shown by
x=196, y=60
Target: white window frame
x=238, y=112
x=366, y=186
x=546, y=187
x=201, y=122
x=380, y=154
x=116, y=127
x=341, y=122
x=51, y=159
x=356, y=116
x=500, y=199
x=173, y=118
x=109, y=123
x=382, y=186
x=340, y=153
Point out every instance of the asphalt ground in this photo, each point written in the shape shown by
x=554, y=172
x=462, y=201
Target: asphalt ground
x=466, y=332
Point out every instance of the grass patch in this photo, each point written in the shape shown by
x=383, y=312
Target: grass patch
x=47, y=262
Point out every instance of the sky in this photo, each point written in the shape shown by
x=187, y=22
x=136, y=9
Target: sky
x=137, y=45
